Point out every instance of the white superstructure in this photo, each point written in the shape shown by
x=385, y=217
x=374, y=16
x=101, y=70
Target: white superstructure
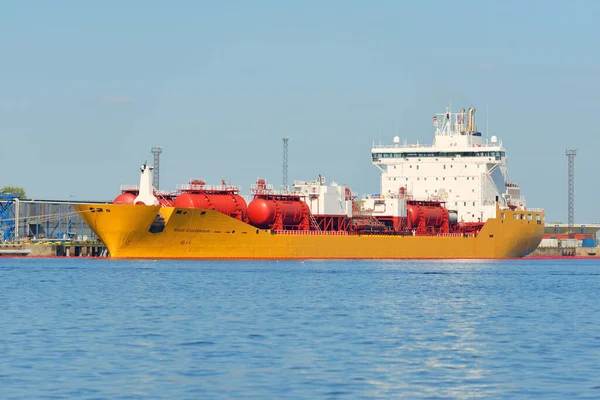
x=323, y=199
x=470, y=175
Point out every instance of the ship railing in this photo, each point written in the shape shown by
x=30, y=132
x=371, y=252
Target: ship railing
x=262, y=186
x=208, y=188
x=450, y=234
x=320, y=182
x=129, y=188
x=515, y=199
x=402, y=146
x=535, y=209
x=136, y=188
x=310, y=233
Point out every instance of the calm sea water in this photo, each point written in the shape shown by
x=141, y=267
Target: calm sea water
x=93, y=329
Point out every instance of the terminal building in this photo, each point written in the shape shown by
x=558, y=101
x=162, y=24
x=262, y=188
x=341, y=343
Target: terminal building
x=44, y=220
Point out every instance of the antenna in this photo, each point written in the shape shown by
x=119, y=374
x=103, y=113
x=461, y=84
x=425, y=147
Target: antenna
x=284, y=182
x=571, y=155
x=156, y=174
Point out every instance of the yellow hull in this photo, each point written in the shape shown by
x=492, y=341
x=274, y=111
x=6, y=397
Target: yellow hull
x=206, y=234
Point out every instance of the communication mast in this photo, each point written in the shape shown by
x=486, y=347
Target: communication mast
x=156, y=177
x=284, y=182
x=571, y=155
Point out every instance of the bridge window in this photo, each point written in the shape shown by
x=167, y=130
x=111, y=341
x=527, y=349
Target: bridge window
x=440, y=154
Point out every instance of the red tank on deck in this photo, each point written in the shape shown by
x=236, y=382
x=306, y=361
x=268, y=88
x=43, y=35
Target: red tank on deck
x=125, y=198
x=262, y=212
x=425, y=215
x=434, y=216
x=129, y=198
x=265, y=212
x=227, y=203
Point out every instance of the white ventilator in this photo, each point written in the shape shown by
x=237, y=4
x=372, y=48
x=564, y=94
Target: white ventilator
x=146, y=194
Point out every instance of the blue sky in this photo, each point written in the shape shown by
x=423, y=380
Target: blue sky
x=86, y=90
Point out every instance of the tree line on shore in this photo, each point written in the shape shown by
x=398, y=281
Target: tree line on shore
x=16, y=191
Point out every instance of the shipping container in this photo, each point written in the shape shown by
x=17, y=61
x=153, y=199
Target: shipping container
x=570, y=243
x=588, y=243
x=549, y=242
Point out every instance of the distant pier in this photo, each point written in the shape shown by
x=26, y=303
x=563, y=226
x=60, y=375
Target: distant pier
x=559, y=252
x=53, y=249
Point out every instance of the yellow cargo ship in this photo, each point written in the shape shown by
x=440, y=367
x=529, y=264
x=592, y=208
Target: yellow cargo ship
x=452, y=199
x=208, y=234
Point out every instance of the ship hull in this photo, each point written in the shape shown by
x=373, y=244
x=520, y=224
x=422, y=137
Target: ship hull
x=126, y=230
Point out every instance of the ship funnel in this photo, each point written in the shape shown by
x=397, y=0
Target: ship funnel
x=471, y=120
x=146, y=194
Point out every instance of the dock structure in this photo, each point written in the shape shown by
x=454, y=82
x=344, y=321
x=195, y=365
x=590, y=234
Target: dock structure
x=44, y=228
x=28, y=219
x=53, y=249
